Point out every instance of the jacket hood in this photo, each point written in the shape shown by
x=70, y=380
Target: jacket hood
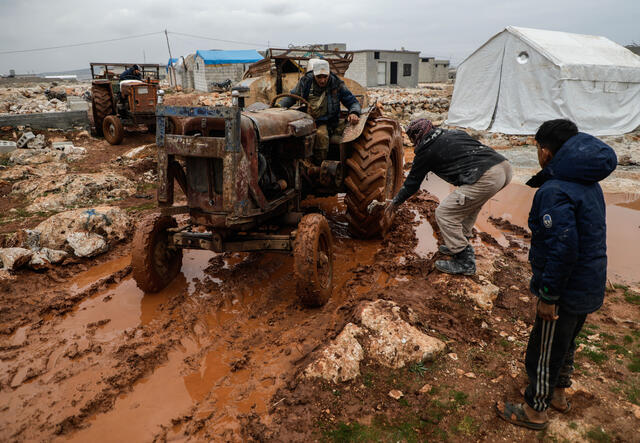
x=583, y=159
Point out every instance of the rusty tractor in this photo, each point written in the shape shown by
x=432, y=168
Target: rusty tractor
x=244, y=173
x=118, y=104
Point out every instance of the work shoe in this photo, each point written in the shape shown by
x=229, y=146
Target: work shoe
x=464, y=263
x=445, y=250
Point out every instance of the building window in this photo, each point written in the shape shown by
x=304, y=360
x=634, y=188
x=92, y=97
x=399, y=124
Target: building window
x=406, y=70
x=376, y=55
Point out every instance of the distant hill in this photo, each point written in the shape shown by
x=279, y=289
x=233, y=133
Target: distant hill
x=82, y=74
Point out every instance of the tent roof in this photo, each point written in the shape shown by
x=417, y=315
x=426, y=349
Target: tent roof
x=226, y=57
x=564, y=48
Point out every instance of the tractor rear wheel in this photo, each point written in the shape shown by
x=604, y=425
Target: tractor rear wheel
x=154, y=262
x=375, y=173
x=313, y=260
x=101, y=105
x=113, y=129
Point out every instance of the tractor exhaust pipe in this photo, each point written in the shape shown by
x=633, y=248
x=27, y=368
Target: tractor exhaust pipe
x=238, y=96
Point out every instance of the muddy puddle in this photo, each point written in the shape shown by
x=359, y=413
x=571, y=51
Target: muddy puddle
x=514, y=202
x=242, y=344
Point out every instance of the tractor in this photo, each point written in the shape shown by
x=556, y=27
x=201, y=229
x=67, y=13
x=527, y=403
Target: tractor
x=245, y=171
x=117, y=104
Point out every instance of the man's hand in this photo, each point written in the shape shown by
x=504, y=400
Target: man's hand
x=353, y=119
x=546, y=311
x=387, y=217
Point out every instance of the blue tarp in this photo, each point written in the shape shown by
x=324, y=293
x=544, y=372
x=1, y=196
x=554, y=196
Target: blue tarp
x=226, y=57
x=172, y=61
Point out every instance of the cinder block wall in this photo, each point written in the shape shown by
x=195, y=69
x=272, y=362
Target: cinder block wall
x=358, y=68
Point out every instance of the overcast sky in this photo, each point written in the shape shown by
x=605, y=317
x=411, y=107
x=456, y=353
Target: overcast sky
x=449, y=29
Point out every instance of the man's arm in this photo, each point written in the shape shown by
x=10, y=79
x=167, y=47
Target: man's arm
x=558, y=227
x=419, y=170
x=349, y=100
x=287, y=102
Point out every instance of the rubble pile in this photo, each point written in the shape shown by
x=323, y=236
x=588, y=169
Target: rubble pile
x=39, y=98
x=215, y=99
x=84, y=232
x=411, y=103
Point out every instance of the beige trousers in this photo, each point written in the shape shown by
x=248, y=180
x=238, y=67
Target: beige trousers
x=458, y=212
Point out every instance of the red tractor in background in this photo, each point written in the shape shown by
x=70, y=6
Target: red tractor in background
x=117, y=104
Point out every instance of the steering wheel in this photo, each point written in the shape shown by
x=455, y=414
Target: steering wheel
x=275, y=99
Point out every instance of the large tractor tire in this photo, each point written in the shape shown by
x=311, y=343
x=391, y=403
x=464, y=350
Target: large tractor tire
x=313, y=260
x=154, y=263
x=375, y=172
x=113, y=129
x=101, y=105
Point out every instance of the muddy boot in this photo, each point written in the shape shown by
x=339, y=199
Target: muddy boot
x=444, y=250
x=464, y=262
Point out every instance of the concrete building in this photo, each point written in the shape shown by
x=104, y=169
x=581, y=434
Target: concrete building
x=433, y=70
x=372, y=67
x=218, y=66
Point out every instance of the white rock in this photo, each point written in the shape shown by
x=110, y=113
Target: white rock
x=453, y=356
x=35, y=157
x=394, y=342
x=13, y=258
x=340, y=361
x=72, y=190
x=395, y=394
x=86, y=244
x=74, y=150
x=22, y=172
x=110, y=222
x=38, y=142
x=45, y=256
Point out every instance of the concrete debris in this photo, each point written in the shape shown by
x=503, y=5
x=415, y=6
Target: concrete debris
x=111, y=223
x=14, y=258
x=72, y=190
x=38, y=142
x=28, y=100
x=7, y=146
x=59, y=146
x=24, y=139
x=85, y=244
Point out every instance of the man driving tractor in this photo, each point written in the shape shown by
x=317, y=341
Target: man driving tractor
x=324, y=91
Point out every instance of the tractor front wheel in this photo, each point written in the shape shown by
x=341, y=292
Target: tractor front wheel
x=113, y=129
x=154, y=262
x=313, y=260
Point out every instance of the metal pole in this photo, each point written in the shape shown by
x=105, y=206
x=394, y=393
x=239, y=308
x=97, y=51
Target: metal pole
x=170, y=63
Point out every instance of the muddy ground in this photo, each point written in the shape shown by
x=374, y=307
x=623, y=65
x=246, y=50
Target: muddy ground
x=219, y=354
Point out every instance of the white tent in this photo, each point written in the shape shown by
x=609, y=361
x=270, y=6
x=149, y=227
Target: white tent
x=522, y=77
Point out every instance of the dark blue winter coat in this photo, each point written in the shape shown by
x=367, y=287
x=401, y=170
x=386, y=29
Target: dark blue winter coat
x=568, y=230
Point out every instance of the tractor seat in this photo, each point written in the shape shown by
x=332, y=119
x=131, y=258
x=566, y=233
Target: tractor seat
x=130, y=82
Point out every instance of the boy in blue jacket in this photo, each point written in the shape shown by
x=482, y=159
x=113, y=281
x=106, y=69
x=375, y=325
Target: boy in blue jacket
x=568, y=261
